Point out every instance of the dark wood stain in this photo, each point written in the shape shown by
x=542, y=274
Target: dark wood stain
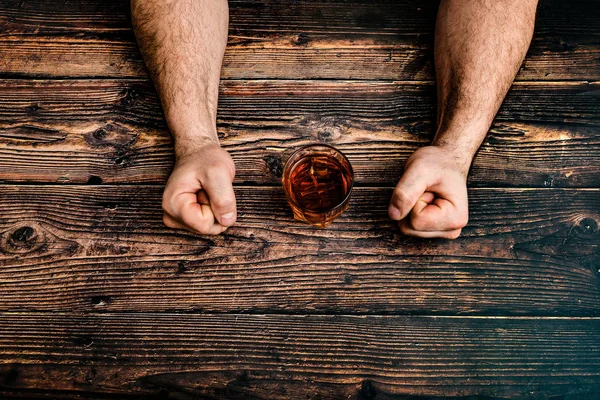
x=540, y=130
x=360, y=357
x=524, y=252
x=288, y=40
x=99, y=300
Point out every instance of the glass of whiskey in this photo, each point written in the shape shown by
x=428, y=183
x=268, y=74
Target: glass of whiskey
x=317, y=180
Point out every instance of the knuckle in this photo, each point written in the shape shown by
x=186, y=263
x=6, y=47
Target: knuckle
x=461, y=221
x=202, y=227
x=401, y=196
x=415, y=162
x=205, y=230
x=223, y=202
x=165, y=201
x=194, y=223
x=215, y=171
x=168, y=222
x=201, y=230
x=165, y=205
x=169, y=195
x=418, y=224
x=454, y=234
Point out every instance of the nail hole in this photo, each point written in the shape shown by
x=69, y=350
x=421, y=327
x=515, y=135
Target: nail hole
x=94, y=180
x=181, y=267
x=122, y=159
x=301, y=39
x=100, y=300
x=83, y=341
x=32, y=108
x=10, y=378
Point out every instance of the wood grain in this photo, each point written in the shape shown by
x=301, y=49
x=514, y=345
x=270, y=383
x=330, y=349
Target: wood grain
x=282, y=357
x=546, y=135
x=533, y=252
x=285, y=40
x=99, y=300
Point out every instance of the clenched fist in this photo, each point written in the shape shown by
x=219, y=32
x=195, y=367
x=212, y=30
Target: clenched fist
x=199, y=193
x=430, y=200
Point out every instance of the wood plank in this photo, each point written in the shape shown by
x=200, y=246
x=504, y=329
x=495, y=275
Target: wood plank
x=285, y=39
x=68, y=131
x=282, y=357
x=532, y=252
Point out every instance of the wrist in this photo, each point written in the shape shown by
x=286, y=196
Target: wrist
x=460, y=143
x=192, y=142
x=460, y=157
x=191, y=129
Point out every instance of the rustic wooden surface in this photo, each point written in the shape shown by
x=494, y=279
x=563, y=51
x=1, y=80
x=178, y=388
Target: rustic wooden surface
x=99, y=300
x=546, y=135
x=85, y=249
x=344, y=39
x=299, y=356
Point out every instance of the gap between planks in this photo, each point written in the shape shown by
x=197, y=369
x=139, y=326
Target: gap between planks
x=41, y=78
x=298, y=314
x=270, y=186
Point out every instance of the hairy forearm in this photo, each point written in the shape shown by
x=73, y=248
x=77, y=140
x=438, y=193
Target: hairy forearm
x=183, y=42
x=479, y=47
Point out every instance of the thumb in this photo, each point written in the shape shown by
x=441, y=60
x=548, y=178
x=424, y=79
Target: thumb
x=406, y=194
x=219, y=189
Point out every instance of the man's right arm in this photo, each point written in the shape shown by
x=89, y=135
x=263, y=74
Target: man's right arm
x=183, y=43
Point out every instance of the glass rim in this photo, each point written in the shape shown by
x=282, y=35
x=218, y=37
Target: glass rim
x=304, y=147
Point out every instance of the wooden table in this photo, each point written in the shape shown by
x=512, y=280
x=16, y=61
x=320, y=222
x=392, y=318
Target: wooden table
x=99, y=300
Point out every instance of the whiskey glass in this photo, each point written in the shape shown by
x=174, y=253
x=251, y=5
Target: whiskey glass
x=317, y=180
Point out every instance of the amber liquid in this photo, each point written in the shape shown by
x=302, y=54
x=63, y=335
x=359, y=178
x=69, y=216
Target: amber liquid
x=319, y=183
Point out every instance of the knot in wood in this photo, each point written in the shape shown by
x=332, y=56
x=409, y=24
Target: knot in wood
x=326, y=135
x=23, y=237
x=23, y=240
x=420, y=128
x=301, y=39
x=367, y=391
x=99, y=134
x=325, y=129
x=129, y=97
x=586, y=227
x=120, y=137
x=274, y=165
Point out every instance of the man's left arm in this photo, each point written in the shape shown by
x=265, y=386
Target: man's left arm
x=479, y=47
